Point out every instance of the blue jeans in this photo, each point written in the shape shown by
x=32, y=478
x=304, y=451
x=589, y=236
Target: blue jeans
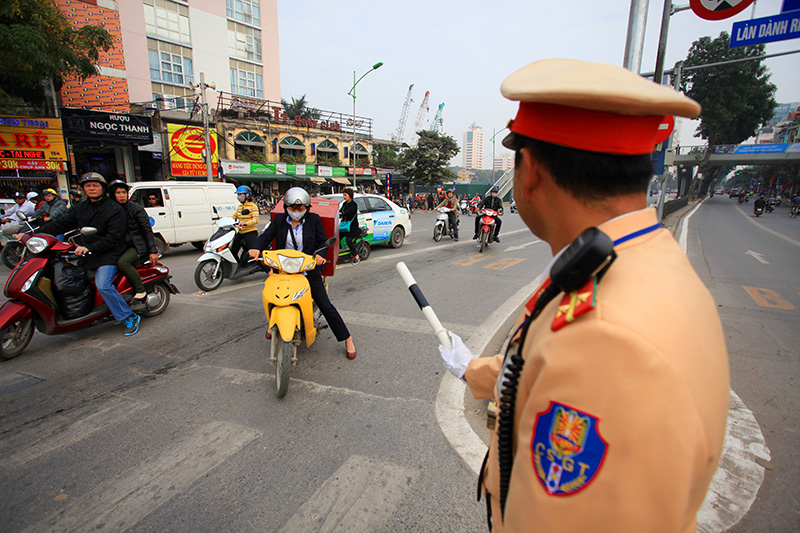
x=104, y=279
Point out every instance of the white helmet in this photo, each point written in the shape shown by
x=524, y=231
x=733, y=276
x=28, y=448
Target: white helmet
x=31, y=195
x=296, y=196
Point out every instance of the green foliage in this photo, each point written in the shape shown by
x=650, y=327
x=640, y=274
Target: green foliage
x=298, y=107
x=789, y=173
x=387, y=157
x=38, y=43
x=425, y=163
x=736, y=98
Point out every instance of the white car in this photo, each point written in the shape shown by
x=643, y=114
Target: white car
x=386, y=222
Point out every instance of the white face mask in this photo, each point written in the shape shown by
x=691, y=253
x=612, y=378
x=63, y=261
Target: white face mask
x=494, y=195
x=296, y=215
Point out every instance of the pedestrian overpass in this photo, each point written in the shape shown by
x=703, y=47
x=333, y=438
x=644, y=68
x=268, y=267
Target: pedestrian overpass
x=740, y=154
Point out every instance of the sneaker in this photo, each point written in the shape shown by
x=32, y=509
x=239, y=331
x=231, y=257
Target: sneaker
x=132, y=324
x=456, y=238
x=356, y=261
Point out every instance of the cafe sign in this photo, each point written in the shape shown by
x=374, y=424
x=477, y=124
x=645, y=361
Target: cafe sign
x=31, y=144
x=186, y=145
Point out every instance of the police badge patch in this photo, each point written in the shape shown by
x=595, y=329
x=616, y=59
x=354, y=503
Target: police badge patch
x=568, y=451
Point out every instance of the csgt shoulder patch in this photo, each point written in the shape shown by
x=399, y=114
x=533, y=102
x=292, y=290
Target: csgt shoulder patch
x=568, y=450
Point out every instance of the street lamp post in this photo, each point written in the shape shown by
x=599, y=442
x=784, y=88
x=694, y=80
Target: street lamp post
x=204, y=107
x=352, y=93
x=494, y=134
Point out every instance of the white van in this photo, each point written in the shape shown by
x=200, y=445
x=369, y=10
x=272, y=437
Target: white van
x=184, y=211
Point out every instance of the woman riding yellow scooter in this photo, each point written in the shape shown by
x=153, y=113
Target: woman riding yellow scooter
x=302, y=230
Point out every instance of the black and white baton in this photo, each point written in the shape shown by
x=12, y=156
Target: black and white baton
x=427, y=310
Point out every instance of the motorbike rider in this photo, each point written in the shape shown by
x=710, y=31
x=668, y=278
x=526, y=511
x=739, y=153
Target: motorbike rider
x=139, y=239
x=10, y=220
x=248, y=224
x=492, y=202
x=302, y=230
x=349, y=213
x=451, y=203
x=101, y=250
x=760, y=202
x=52, y=206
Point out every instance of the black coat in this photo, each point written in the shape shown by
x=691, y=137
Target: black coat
x=493, y=202
x=107, y=216
x=313, y=234
x=140, y=232
x=348, y=211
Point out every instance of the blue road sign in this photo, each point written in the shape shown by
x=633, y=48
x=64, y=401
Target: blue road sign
x=790, y=5
x=658, y=162
x=766, y=30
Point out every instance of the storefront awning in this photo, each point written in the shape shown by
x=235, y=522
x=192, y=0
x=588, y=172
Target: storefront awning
x=343, y=181
x=378, y=181
x=317, y=179
x=327, y=149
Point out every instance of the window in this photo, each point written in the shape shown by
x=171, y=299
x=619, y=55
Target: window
x=167, y=20
x=170, y=63
x=248, y=11
x=247, y=79
x=361, y=203
x=244, y=42
x=376, y=205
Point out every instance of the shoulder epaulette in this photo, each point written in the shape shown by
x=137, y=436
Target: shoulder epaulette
x=575, y=304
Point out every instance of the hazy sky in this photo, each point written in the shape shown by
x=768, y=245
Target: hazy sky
x=462, y=50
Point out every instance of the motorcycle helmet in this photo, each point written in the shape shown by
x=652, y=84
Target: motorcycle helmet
x=244, y=189
x=495, y=189
x=116, y=184
x=95, y=177
x=50, y=191
x=31, y=195
x=296, y=196
x=18, y=195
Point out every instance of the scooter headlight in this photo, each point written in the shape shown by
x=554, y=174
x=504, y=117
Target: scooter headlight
x=270, y=262
x=37, y=245
x=291, y=265
x=208, y=247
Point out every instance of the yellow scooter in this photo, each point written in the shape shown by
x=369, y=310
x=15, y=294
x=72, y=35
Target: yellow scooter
x=291, y=313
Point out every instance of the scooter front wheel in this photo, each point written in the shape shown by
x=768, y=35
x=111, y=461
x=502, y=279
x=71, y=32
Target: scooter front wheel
x=204, y=276
x=15, y=338
x=160, y=292
x=364, y=249
x=284, y=352
x=12, y=253
x=484, y=240
x=437, y=232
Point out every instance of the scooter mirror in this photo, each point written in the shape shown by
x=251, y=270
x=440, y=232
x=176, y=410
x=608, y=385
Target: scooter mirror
x=216, y=215
x=88, y=230
x=22, y=216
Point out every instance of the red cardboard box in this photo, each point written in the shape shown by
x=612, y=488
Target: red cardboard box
x=328, y=211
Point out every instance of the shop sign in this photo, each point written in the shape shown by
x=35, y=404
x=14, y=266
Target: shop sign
x=361, y=171
x=31, y=142
x=235, y=167
x=186, y=144
x=282, y=118
x=22, y=164
x=282, y=168
x=98, y=126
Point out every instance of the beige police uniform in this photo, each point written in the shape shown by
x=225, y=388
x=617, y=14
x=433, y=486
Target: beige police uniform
x=622, y=402
x=648, y=366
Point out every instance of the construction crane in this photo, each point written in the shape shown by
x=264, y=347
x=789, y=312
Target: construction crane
x=401, y=126
x=436, y=125
x=423, y=110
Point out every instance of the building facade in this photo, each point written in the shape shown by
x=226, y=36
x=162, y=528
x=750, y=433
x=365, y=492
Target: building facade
x=160, y=49
x=504, y=162
x=473, y=148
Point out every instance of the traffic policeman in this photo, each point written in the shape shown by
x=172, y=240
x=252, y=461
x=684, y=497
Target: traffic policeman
x=615, y=393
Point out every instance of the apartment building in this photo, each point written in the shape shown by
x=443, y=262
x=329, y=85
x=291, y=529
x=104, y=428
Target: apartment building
x=473, y=148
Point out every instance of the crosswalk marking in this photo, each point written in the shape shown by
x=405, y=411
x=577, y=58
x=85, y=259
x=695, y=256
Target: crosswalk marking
x=61, y=430
x=120, y=503
x=360, y=496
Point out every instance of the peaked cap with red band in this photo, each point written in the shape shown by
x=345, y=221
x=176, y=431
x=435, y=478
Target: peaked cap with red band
x=593, y=106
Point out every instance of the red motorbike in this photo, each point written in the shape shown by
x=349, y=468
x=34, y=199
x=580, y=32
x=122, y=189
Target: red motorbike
x=33, y=302
x=486, y=234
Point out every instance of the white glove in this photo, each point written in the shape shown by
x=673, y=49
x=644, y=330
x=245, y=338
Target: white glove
x=456, y=359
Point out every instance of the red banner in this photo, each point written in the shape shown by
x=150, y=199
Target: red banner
x=17, y=164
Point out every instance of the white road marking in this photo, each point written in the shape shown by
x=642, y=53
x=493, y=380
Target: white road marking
x=768, y=230
x=62, y=430
x=119, y=504
x=736, y=481
x=757, y=256
x=359, y=496
x=521, y=246
x=738, y=478
x=684, y=231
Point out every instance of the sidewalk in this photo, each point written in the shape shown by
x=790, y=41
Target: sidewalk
x=673, y=220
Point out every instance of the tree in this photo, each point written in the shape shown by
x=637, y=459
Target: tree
x=299, y=108
x=425, y=163
x=736, y=98
x=38, y=45
x=387, y=157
